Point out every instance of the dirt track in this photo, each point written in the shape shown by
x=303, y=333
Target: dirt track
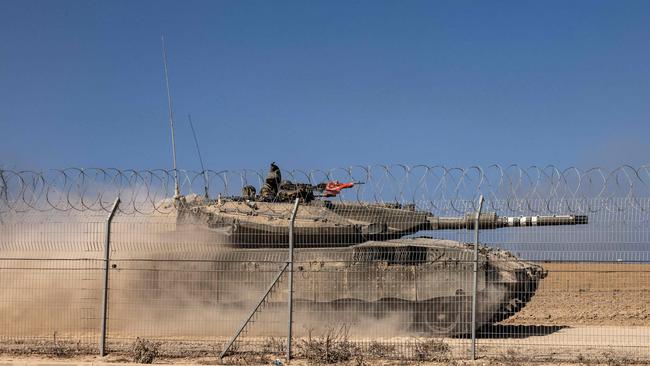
x=590, y=294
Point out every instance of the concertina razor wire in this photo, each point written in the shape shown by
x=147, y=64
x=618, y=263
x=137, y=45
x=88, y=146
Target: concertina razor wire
x=432, y=188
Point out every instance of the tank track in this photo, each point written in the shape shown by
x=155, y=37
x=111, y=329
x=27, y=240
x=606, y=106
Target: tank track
x=520, y=294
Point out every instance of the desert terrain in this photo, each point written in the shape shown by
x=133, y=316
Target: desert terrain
x=581, y=311
x=590, y=294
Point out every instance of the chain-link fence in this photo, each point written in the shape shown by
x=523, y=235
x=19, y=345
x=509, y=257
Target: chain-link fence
x=387, y=268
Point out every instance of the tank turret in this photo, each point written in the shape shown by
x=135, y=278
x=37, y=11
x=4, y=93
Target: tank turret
x=321, y=223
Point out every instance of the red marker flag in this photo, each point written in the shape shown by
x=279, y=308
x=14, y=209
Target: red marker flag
x=334, y=188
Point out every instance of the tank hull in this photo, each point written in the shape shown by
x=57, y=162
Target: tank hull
x=429, y=280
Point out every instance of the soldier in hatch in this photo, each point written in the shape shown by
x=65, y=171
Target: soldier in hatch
x=271, y=183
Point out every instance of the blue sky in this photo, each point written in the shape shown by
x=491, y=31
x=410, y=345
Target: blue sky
x=325, y=84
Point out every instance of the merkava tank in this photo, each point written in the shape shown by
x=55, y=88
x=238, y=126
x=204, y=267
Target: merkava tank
x=356, y=255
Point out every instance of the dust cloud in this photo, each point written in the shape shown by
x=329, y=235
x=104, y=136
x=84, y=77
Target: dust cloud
x=165, y=282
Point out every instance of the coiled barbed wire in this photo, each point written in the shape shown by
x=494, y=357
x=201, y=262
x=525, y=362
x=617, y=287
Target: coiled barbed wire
x=432, y=188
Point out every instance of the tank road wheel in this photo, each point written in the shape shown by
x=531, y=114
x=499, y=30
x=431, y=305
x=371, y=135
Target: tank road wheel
x=443, y=317
x=440, y=318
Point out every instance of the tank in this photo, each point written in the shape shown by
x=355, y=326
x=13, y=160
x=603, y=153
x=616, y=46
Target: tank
x=357, y=255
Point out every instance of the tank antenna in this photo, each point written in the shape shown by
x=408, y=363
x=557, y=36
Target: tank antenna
x=198, y=150
x=177, y=189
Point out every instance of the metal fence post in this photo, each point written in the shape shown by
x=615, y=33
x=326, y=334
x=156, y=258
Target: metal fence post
x=107, y=254
x=475, y=279
x=290, y=301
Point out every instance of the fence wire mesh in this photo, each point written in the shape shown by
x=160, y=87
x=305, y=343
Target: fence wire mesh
x=383, y=269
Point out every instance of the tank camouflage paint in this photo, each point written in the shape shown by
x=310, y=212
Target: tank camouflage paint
x=356, y=255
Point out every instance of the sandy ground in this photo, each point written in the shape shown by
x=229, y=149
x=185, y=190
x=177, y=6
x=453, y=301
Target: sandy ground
x=576, y=294
x=117, y=361
x=582, y=312
x=114, y=362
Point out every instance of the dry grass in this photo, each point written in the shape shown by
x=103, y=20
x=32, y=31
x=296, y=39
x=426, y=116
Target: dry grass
x=431, y=350
x=144, y=351
x=54, y=347
x=381, y=350
x=273, y=345
x=613, y=359
x=332, y=347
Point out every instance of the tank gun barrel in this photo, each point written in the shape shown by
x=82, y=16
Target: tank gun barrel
x=490, y=220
